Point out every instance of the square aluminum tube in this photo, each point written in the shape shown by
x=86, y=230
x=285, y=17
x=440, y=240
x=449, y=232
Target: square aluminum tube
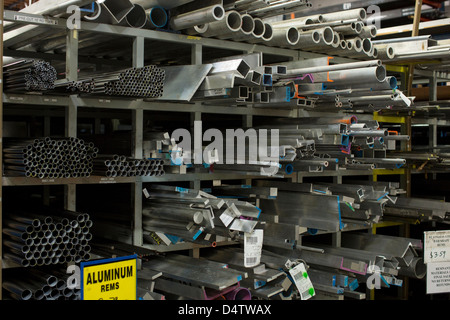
x=118, y=9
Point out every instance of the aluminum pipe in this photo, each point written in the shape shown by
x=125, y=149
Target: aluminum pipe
x=357, y=76
x=359, y=14
x=193, y=18
x=137, y=17
x=334, y=67
x=287, y=38
x=156, y=18
x=231, y=23
x=246, y=29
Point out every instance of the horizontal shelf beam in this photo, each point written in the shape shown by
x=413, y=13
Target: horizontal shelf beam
x=127, y=104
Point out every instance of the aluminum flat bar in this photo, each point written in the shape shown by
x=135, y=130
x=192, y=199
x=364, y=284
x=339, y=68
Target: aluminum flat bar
x=211, y=277
x=292, y=207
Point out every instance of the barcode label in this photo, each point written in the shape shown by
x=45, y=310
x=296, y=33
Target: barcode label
x=302, y=281
x=252, y=248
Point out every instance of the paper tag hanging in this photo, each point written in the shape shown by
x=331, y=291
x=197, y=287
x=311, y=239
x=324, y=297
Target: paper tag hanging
x=302, y=281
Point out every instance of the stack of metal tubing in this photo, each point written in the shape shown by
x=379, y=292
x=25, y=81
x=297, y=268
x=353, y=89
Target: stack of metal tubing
x=340, y=142
x=175, y=214
x=122, y=166
x=347, y=86
x=341, y=33
x=48, y=157
x=37, y=284
x=51, y=237
x=245, y=21
x=29, y=75
x=145, y=82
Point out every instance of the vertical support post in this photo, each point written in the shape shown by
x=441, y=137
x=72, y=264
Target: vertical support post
x=71, y=110
x=138, y=136
x=46, y=189
x=247, y=122
x=415, y=33
x=2, y=5
x=138, y=131
x=196, y=58
x=71, y=131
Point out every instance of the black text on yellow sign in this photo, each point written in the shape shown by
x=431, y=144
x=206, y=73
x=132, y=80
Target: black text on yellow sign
x=109, y=279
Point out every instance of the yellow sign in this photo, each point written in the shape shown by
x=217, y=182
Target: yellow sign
x=109, y=279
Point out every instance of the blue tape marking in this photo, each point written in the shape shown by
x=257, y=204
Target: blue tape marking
x=354, y=285
x=341, y=225
x=383, y=196
x=319, y=191
x=91, y=10
x=199, y=232
x=288, y=94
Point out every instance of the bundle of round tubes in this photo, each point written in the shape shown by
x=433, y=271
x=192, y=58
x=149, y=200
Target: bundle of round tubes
x=56, y=236
x=29, y=75
x=122, y=166
x=146, y=82
x=36, y=284
x=48, y=157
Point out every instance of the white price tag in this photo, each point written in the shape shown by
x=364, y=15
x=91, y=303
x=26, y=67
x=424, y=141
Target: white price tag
x=253, y=243
x=302, y=281
x=437, y=246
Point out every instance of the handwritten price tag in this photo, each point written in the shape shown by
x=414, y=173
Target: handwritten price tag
x=437, y=246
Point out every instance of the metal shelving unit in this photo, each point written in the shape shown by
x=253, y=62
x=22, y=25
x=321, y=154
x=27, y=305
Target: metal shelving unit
x=138, y=37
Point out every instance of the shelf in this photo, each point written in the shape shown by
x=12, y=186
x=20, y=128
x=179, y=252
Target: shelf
x=129, y=104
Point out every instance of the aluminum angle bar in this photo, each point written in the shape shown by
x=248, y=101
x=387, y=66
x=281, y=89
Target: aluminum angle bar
x=175, y=86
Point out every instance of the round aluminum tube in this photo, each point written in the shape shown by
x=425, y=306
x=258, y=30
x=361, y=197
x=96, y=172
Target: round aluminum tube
x=335, y=67
x=356, y=44
x=175, y=213
x=336, y=40
x=359, y=14
x=314, y=39
x=257, y=33
x=385, y=52
x=299, y=22
x=246, y=29
x=231, y=23
x=417, y=269
x=369, y=32
x=351, y=29
x=374, y=133
x=156, y=18
x=92, y=16
x=357, y=76
x=367, y=46
x=193, y=18
x=374, y=53
x=137, y=17
x=198, y=29
x=267, y=36
x=284, y=38
x=18, y=290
